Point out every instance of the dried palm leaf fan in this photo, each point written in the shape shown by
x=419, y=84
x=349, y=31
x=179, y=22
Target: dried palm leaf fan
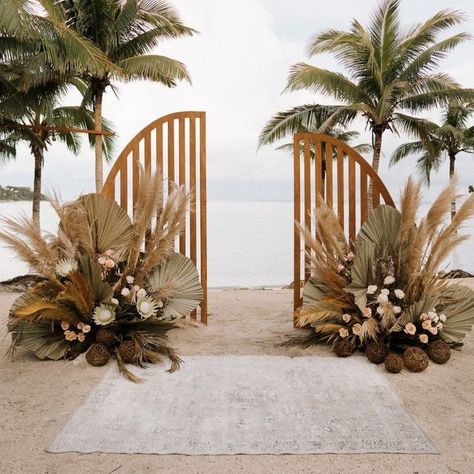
x=108, y=225
x=178, y=276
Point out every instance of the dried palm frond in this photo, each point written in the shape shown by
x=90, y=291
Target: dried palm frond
x=457, y=303
x=161, y=241
x=24, y=237
x=77, y=294
x=177, y=276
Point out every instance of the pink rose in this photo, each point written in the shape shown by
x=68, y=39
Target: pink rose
x=102, y=260
x=410, y=328
x=367, y=312
x=64, y=325
x=86, y=328
x=81, y=337
x=109, y=263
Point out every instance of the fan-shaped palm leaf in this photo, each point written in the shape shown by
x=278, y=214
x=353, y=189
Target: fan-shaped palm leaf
x=187, y=291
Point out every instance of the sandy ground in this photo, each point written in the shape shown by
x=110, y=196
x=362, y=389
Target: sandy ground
x=37, y=397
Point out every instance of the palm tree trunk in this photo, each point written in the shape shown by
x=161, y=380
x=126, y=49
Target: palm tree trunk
x=99, y=165
x=38, y=154
x=375, y=163
x=452, y=170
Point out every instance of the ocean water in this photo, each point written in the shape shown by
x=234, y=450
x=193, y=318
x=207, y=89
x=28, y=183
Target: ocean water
x=250, y=243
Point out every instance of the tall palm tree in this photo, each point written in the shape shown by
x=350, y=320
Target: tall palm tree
x=125, y=31
x=436, y=142
x=390, y=70
x=39, y=120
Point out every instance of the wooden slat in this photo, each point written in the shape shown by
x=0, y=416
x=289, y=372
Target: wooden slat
x=376, y=198
x=124, y=186
x=297, y=218
x=363, y=196
x=307, y=200
x=192, y=184
x=147, y=145
x=318, y=169
x=171, y=173
x=340, y=186
x=352, y=200
x=203, y=214
x=136, y=171
x=182, y=177
x=329, y=185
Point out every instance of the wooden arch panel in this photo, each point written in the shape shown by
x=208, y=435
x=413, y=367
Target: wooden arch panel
x=329, y=167
x=175, y=145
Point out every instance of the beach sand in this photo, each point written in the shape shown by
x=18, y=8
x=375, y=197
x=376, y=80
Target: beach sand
x=38, y=397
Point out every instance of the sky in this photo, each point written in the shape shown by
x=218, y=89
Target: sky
x=239, y=64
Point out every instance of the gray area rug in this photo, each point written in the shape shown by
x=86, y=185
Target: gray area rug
x=246, y=404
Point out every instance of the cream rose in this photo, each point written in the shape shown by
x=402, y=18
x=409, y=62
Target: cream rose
x=371, y=289
x=410, y=328
x=423, y=338
x=367, y=312
x=356, y=329
x=343, y=332
x=388, y=280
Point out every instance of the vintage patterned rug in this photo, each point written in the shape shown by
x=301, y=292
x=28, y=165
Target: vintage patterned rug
x=249, y=405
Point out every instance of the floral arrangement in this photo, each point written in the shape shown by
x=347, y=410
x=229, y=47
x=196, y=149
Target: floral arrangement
x=382, y=294
x=112, y=286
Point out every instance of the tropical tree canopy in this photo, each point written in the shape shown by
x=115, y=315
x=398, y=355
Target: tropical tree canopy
x=436, y=142
x=126, y=32
x=390, y=72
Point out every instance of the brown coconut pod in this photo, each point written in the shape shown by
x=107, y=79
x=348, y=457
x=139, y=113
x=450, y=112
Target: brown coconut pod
x=393, y=363
x=98, y=355
x=415, y=359
x=105, y=336
x=439, y=351
x=343, y=347
x=128, y=351
x=376, y=352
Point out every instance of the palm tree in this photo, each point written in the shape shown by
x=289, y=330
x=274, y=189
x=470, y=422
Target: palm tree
x=39, y=120
x=437, y=142
x=390, y=71
x=307, y=118
x=125, y=32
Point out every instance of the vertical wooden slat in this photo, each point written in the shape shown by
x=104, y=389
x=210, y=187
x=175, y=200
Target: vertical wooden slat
x=318, y=169
x=352, y=199
x=297, y=218
x=136, y=171
x=124, y=186
x=376, y=198
x=340, y=186
x=329, y=190
x=307, y=199
x=182, y=177
x=203, y=213
x=363, y=196
x=192, y=184
x=148, y=152
x=171, y=173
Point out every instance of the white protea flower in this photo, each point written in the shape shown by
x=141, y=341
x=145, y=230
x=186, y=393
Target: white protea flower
x=385, y=291
x=147, y=307
x=356, y=329
x=410, y=328
x=104, y=314
x=423, y=338
x=343, y=332
x=130, y=280
x=141, y=293
x=66, y=266
x=389, y=280
x=371, y=289
x=400, y=294
x=382, y=298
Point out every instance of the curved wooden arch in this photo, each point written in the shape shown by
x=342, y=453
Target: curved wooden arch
x=175, y=145
x=343, y=183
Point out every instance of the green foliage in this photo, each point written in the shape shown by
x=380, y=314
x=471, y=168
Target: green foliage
x=435, y=143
